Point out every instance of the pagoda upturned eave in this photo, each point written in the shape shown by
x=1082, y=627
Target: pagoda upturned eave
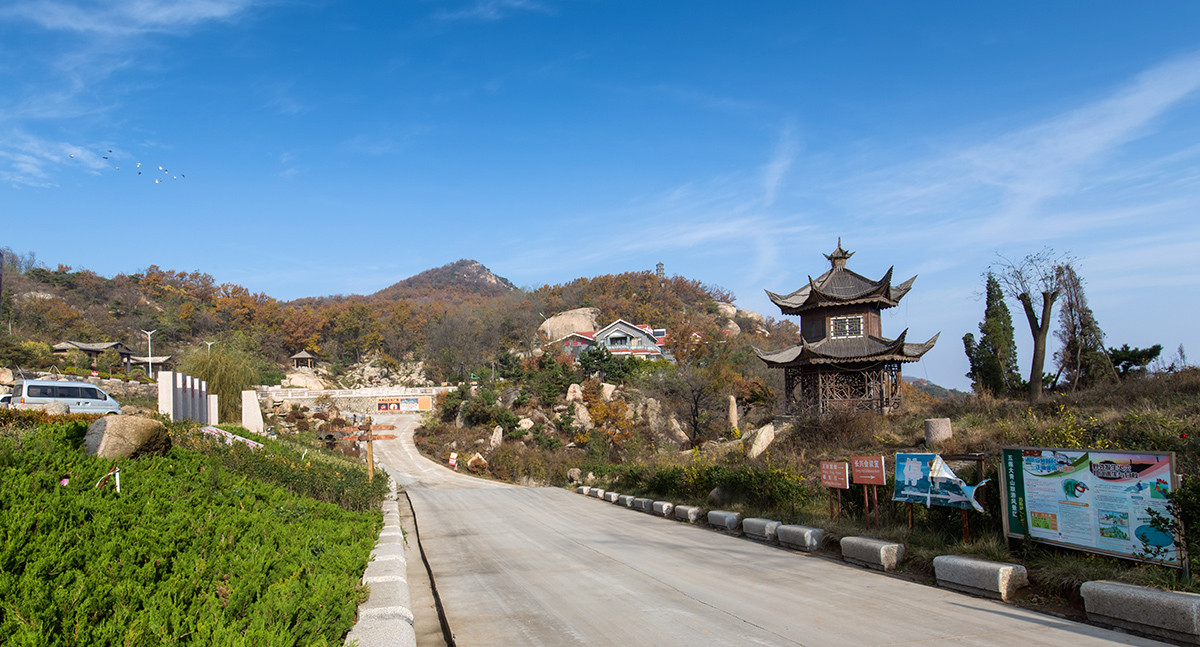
x=839, y=351
x=840, y=287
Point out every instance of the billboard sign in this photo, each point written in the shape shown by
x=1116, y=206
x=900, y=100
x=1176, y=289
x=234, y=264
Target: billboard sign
x=1099, y=501
x=835, y=474
x=927, y=479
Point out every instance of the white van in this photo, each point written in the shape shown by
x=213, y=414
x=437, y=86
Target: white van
x=80, y=397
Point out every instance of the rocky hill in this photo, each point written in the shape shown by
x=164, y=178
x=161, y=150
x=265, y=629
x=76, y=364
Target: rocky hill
x=448, y=283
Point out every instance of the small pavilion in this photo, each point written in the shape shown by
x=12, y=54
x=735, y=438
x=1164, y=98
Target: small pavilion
x=304, y=359
x=843, y=361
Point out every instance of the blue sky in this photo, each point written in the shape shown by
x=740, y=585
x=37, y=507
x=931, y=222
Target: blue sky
x=336, y=147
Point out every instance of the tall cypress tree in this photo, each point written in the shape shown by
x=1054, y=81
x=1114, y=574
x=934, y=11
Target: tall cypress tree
x=994, y=358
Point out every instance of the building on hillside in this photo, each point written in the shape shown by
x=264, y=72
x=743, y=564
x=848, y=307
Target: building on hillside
x=621, y=338
x=93, y=350
x=843, y=362
x=304, y=359
x=154, y=364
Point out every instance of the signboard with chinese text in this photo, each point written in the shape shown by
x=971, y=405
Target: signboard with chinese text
x=1098, y=501
x=835, y=474
x=869, y=470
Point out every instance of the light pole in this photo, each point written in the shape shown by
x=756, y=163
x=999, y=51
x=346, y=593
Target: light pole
x=150, y=353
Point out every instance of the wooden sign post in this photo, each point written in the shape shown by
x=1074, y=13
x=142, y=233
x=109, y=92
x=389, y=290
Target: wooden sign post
x=835, y=475
x=869, y=470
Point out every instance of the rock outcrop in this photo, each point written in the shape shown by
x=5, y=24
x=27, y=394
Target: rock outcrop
x=565, y=323
x=115, y=437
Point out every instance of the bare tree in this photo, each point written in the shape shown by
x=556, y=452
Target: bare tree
x=1036, y=276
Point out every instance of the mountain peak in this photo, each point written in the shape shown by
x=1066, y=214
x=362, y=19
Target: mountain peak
x=458, y=279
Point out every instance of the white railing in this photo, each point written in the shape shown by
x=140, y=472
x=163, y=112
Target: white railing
x=280, y=393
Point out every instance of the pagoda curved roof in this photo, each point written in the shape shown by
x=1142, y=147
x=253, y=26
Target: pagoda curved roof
x=842, y=286
x=855, y=349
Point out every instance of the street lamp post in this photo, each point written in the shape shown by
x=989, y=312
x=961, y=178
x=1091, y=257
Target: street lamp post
x=150, y=353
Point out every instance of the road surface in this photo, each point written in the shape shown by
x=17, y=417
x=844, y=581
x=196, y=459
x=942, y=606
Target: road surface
x=543, y=566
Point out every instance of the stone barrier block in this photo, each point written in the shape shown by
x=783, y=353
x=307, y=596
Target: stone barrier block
x=979, y=576
x=386, y=592
x=625, y=500
x=688, y=513
x=596, y=492
x=761, y=529
x=725, y=521
x=800, y=537
x=662, y=508
x=643, y=504
x=611, y=497
x=1167, y=614
x=583, y=489
x=872, y=553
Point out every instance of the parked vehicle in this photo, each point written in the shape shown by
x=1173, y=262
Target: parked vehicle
x=80, y=397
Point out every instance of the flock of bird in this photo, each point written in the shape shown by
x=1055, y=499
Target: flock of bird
x=138, y=166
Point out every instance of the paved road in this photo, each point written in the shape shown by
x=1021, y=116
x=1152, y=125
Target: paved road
x=542, y=566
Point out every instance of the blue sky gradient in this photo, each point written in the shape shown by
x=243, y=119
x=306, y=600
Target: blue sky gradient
x=335, y=148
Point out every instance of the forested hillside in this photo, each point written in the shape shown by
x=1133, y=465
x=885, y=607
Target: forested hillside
x=452, y=319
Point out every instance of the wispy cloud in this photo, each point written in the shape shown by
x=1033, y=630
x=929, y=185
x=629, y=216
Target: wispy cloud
x=781, y=161
x=123, y=17
x=997, y=188
x=493, y=10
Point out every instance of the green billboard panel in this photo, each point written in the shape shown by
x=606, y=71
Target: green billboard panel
x=1100, y=501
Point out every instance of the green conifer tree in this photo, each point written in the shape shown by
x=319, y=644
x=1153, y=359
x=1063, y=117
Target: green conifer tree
x=994, y=358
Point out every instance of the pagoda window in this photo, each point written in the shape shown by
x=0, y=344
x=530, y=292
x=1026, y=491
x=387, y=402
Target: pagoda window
x=846, y=327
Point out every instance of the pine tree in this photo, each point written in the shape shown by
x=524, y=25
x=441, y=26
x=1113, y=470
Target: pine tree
x=994, y=359
x=1082, y=359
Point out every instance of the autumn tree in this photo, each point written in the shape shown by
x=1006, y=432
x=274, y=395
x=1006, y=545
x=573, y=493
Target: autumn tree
x=993, y=359
x=704, y=370
x=1082, y=359
x=1035, y=281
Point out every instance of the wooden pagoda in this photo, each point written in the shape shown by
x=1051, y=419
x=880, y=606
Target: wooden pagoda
x=843, y=362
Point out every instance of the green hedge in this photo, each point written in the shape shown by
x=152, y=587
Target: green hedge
x=190, y=552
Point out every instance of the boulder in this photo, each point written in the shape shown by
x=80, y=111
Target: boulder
x=115, y=437
x=525, y=424
x=733, y=412
x=607, y=391
x=731, y=328
x=477, y=463
x=574, y=393
x=760, y=440
x=574, y=475
x=676, y=432
x=565, y=323
x=719, y=496
x=6, y=376
x=583, y=419
x=727, y=310
x=497, y=437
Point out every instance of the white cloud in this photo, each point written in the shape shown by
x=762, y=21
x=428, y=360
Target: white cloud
x=493, y=10
x=124, y=17
x=777, y=168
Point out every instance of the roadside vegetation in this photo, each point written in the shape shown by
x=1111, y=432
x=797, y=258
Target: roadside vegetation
x=205, y=544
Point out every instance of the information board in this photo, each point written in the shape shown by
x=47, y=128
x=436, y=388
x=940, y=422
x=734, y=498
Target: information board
x=835, y=474
x=1092, y=500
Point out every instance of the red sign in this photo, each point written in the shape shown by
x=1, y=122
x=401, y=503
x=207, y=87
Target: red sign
x=868, y=470
x=835, y=474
